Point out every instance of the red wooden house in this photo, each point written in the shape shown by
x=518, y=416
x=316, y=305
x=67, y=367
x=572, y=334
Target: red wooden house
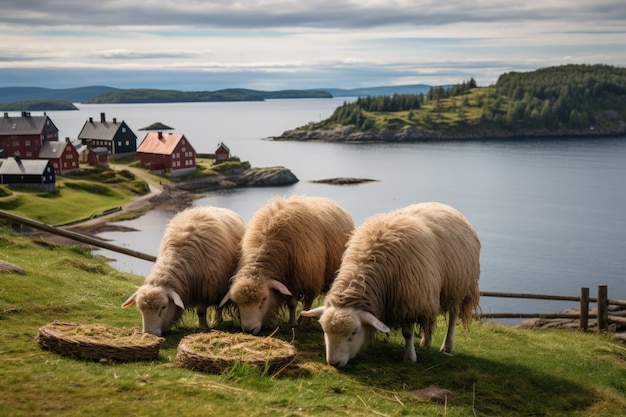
x=222, y=153
x=167, y=153
x=98, y=157
x=62, y=155
x=25, y=135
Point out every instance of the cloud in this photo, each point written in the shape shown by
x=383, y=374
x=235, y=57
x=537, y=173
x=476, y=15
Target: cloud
x=297, y=44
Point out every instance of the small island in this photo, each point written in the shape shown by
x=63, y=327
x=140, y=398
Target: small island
x=343, y=181
x=38, y=105
x=562, y=101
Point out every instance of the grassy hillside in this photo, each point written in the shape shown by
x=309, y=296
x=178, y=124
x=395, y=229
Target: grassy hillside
x=495, y=370
x=78, y=196
x=569, y=99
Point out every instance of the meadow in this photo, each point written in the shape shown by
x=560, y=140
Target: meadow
x=495, y=369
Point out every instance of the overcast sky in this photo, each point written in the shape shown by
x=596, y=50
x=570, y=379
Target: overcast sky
x=283, y=44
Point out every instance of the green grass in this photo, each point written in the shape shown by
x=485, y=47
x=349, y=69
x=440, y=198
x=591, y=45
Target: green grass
x=78, y=196
x=495, y=370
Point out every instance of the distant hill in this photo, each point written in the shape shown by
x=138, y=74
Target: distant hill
x=38, y=105
x=103, y=94
x=174, y=96
x=379, y=91
x=73, y=95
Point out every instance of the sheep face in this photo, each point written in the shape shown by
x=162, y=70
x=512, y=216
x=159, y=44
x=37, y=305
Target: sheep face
x=258, y=301
x=160, y=308
x=346, y=331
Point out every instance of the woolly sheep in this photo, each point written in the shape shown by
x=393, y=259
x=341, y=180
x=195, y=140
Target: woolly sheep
x=197, y=256
x=399, y=268
x=290, y=251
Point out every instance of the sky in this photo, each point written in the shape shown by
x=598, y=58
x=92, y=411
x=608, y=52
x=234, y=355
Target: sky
x=197, y=45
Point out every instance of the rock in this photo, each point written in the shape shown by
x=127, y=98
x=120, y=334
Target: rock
x=157, y=126
x=252, y=177
x=433, y=393
x=343, y=181
x=266, y=177
x=411, y=134
x=10, y=268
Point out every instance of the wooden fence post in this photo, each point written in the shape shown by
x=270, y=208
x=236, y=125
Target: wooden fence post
x=603, y=309
x=584, y=309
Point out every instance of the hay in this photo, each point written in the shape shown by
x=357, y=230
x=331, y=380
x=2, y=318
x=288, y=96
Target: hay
x=217, y=351
x=98, y=342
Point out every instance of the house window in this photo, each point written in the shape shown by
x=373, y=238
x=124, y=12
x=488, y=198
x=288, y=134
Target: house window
x=127, y=143
x=26, y=143
x=123, y=130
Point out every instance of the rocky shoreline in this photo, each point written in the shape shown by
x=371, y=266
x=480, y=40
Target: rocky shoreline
x=351, y=135
x=618, y=330
x=178, y=196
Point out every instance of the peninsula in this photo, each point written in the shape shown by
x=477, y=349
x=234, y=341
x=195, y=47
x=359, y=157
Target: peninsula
x=562, y=101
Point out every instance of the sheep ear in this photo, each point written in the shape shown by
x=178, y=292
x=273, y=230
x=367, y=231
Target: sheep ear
x=224, y=300
x=370, y=319
x=130, y=301
x=176, y=299
x=280, y=287
x=316, y=312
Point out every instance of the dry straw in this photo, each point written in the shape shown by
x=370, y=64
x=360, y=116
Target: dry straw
x=217, y=351
x=99, y=342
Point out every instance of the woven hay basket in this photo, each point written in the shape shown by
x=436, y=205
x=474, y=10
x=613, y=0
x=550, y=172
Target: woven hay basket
x=216, y=352
x=99, y=342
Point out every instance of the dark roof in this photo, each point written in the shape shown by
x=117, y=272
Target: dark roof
x=24, y=167
x=157, y=126
x=52, y=150
x=100, y=130
x=101, y=151
x=23, y=125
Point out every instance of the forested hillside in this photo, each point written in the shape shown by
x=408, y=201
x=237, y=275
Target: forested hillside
x=557, y=100
x=175, y=96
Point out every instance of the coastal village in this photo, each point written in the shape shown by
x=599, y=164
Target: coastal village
x=31, y=154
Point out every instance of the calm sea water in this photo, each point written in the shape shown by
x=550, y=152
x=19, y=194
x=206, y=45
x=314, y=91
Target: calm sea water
x=551, y=214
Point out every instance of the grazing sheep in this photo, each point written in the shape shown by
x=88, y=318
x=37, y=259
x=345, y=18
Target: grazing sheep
x=399, y=268
x=290, y=251
x=197, y=256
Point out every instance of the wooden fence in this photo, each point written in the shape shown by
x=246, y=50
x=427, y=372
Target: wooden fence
x=602, y=301
x=602, y=307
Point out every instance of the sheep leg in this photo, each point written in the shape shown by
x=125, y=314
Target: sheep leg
x=408, y=331
x=306, y=304
x=292, y=304
x=448, y=341
x=218, y=315
x=201, y=311
x=427, y=326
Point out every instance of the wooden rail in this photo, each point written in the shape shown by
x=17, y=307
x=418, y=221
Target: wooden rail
x=602, y=301
x=75, y=236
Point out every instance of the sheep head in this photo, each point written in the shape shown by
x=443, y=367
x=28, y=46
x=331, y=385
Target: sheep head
x=257, y=299
x=160, y=308
x=346, y=331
